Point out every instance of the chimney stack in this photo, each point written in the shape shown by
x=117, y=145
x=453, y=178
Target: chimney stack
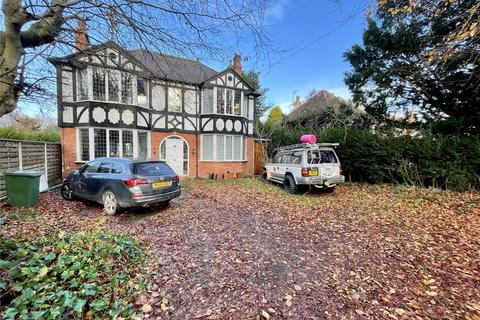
x=81, y=35
x=297, y=102
x=237, y=65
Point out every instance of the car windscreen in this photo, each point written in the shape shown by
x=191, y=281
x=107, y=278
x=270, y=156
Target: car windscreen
x=152, y=169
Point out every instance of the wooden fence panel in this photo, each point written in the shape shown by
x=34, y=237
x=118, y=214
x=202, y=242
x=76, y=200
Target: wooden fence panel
x=30, y=155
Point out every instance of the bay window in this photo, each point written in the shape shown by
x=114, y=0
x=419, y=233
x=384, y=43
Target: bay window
x=101, y=84
x=99, y=142
x=220, y=147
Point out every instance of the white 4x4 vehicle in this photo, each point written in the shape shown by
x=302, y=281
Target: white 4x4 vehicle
x=305, y=165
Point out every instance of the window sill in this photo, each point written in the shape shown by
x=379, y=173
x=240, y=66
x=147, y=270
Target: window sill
x=80, y=162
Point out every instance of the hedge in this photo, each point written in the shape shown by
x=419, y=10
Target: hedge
x=448, y=162
x=12, y=133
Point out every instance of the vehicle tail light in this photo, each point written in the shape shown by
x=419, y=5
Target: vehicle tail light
x=176, y=178
x=304, y=172
x=341, y=171
x=133, y=182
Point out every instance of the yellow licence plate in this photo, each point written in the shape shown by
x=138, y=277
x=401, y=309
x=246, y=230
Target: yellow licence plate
x=313, y=172
x=162, y=184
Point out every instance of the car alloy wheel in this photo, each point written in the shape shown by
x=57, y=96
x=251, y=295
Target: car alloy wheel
x=110, y=203
x=66, y=191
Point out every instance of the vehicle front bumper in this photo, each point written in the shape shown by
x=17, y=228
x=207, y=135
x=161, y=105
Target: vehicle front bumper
x=145, y=200
x=321, y=181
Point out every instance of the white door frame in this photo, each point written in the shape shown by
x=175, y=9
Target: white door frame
x=183, y=159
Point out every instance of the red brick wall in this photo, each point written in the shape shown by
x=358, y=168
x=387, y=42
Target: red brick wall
x=204, y=169
x=69, y=152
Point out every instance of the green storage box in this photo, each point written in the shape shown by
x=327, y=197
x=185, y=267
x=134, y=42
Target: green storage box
x=22, y=187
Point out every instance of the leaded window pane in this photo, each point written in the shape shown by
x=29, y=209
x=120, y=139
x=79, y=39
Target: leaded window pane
x=237, y=145
x=220, y=147
x=100, y=142
x=237, y=105
x=207, y=147
x=174, y=99
x=142, y=92
x=114, y=140
x=207, y=102
x=142, y=144
x=228, y=148
x=84, y=145
x=127, y=143
x=113, y=87
x=98, y=81
x=82, y=84
x=229, y=102
x=220, y=100
x=127, y=88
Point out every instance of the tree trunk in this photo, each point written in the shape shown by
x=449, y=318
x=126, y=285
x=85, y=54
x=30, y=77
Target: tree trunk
x=13, y=41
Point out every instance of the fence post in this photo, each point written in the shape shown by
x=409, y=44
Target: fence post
x=20, y=156
x=46, y=163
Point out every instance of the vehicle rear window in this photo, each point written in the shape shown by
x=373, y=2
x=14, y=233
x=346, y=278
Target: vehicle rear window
x=322, y=156
x=152, y=169
x=328, y=156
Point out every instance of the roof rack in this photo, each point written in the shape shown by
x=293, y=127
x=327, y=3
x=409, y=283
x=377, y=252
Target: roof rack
x=306, y=145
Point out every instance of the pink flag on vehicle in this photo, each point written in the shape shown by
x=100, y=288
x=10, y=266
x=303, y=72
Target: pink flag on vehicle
x=308, y=138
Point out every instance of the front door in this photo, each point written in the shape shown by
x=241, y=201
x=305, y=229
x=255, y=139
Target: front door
x=174, y=154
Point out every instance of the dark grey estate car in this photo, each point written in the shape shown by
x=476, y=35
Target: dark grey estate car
x=119, y=183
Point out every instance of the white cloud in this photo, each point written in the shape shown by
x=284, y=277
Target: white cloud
x=276, y=11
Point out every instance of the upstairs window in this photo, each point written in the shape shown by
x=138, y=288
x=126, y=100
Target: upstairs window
x=142, y=92
x=229, y=101
x=98, y=82
x=237, y=103
x=207, y=102
x=127, y=88
x=174, y=99
x=190, y=101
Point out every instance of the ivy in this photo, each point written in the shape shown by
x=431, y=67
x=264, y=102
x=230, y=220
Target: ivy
x=71, y=275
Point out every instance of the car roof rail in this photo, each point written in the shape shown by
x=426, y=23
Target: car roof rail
x=306, y=145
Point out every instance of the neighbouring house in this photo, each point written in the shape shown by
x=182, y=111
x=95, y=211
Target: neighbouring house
x=114, y=102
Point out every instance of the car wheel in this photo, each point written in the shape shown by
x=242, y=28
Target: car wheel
x=264, y=177
x=66, y=191
x=110, y=203
x=290, y=185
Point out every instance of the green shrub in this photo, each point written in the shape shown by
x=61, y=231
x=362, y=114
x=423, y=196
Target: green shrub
x=83, y=275
x=12, y=133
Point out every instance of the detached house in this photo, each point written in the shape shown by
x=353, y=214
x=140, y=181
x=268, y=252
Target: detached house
x=118, y=103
